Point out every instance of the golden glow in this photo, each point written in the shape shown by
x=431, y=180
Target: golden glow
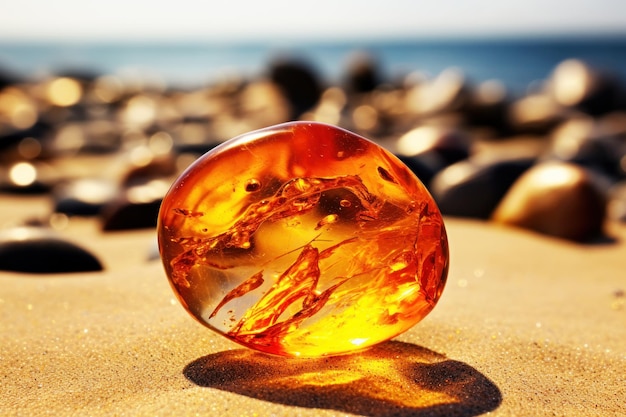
x=557, y=175
x=300, y=264
x=140, y=111
x=108, y=88
x=17, y=107
x=365, y=117
x=23, y=174
x=571, y=82
x=418, y=140
x=64, y=92
x=393, y=378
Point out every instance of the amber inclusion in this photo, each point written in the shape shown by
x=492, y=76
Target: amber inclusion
x=303, y=239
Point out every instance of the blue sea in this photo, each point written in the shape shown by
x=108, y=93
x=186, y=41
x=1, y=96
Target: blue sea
x=516, y=61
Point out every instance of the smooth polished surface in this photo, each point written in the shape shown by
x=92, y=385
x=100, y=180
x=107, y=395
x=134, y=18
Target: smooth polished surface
x=304, y=240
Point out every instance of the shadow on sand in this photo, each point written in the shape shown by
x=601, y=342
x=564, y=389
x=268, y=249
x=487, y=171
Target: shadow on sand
x=391, y=379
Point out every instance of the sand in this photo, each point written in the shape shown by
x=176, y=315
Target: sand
x=527, y=326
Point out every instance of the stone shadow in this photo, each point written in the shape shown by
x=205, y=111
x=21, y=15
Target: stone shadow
x=391, y=379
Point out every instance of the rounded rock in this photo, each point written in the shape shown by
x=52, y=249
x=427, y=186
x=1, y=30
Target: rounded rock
x=303, y=239
x=36, y=250
x=556, y=199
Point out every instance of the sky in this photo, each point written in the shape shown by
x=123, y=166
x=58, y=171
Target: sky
x=291, y=19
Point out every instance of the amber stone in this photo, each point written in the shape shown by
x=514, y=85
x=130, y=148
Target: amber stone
x=303, y=239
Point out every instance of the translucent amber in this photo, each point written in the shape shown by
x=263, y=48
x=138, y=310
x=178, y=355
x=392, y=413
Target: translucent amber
x=303, y=239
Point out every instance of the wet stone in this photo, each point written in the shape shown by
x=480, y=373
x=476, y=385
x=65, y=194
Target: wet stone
x=37, y=250
x=556, y=199
x=473, y=188
x=303, y=239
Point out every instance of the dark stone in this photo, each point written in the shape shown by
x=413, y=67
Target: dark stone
x=34, y=250
x=362, y=74
x=473, y=188
x=12, y=138
x=577, y=85
x=137, y=209
x=299, y=83
x=125, y=215
x=159, y=167
x=425, y=166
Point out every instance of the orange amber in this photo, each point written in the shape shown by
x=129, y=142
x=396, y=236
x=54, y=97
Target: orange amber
x=303, y=239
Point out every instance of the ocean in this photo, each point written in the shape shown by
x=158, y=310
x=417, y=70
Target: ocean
x=517, y=62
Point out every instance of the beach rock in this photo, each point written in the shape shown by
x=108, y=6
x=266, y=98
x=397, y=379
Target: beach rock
x=298, y=81
x=425, y=166
x=451, y=144
x=37, y=250
x=362, y=73
x=488, y=106
x=447, y=92
x=576, y=84
x=156, y=166
x=84, y=196
x=584, y=141
x=556, y=199
x=535, y=114
x=138, y=208
x=473, y=188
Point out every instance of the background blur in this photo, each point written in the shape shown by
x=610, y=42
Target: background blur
x=438, y=83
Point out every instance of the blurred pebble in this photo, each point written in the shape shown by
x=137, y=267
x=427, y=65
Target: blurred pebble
x=83, y=197
x=299, y=83
x=37, y=250
x=556, y=199
x=362, y=74
x=138, y=208
x=535, y=114
x=448, y=92
x=451, y=144
x=474, y=187
x=575, y=84
x=582, y=140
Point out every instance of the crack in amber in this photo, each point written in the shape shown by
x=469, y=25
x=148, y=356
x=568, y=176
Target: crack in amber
x=318, y=243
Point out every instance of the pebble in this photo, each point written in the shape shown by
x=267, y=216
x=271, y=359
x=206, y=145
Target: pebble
x=556, y=199
x=474, y=187
x=38, y=250
x=84, y=196
x=298, y=81
x=437, y=125
x=137, y=208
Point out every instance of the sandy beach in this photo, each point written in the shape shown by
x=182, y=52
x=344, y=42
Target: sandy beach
x=528, y=325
